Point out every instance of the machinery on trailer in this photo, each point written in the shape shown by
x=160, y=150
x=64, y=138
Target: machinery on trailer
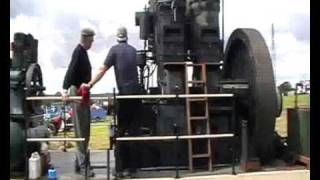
x=26, y=117
x=183, y=41
x=298, y=129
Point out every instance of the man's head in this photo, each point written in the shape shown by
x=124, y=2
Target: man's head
x=87, y=38
x=122, y=34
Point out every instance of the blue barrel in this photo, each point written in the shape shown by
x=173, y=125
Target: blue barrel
x=52, y=174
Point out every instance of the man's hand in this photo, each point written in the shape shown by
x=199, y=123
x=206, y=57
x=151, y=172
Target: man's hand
x=87, y=85
x=64, y=95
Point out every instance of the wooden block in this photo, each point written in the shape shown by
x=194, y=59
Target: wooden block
x=250, y=166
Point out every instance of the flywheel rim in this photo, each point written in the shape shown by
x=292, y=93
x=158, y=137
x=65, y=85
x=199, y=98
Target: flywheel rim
x=247, y=57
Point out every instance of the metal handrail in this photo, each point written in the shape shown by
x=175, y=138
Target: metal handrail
x=158, y=96
x=53, y=139
x=182, y=137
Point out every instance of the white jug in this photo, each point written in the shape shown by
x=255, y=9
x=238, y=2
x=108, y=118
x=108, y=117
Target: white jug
x=34, y=166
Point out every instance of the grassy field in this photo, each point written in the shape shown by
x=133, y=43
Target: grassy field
x=98, y=138
x=303, y=101
x=99, y=131
x=288, y=102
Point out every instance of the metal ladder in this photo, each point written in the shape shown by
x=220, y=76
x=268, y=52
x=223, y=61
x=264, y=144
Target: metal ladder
x=192, y=120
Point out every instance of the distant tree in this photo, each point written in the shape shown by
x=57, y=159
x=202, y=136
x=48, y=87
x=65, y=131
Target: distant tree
x=285, y=87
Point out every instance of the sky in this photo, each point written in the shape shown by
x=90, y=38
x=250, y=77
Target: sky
x=57, y=23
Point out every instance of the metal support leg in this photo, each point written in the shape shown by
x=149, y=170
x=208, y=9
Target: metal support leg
x=26, y=177
x=175, y=131
x=115, y=133
x=234, y=132
x=233, y=156
x=108, y=164
x=111, y=134
x=26, y=171
x=87, y=164
x=64, y=128
x=244, y=140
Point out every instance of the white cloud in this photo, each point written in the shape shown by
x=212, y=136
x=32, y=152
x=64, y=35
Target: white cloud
x=87, y=24
x=293, y=56
x=105, y=16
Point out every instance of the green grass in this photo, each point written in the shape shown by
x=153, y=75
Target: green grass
x=99, y=134
x=98, y=137
x=303, y=101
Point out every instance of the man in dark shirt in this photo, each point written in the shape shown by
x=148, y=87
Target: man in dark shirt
x=123, y=57
x=79, y=71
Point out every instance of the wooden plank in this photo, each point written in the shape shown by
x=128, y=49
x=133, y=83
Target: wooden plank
x=305, y=160
x=198, y=118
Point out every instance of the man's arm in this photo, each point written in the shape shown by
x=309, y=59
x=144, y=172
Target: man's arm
x=109, y=61
x=71, y=71
x=102, y=70
x=70, y=74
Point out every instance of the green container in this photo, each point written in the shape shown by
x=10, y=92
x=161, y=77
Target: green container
x=16, y=147
x=299, y=130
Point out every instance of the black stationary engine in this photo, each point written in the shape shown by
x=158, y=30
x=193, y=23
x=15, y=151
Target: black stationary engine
x=25, y=116
x=182, y=38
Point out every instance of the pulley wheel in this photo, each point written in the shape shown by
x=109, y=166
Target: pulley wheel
x=247, y=57
x=34, y=86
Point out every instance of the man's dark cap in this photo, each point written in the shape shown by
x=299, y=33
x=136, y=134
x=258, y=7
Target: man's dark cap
x=87, y=32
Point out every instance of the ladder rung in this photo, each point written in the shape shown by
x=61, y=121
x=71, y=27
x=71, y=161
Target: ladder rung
x=197, y=99
x=198, y=117
x=197, y=82
x=200, y=155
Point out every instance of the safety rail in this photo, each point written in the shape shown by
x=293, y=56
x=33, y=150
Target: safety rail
x=184, y=137
x=54, y=139
x=158, y=96
x=115, y=139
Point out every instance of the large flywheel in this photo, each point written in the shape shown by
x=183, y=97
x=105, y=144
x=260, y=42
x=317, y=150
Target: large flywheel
x=247, y=58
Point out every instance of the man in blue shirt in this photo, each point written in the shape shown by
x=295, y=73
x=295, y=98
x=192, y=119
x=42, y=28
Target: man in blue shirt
x=123, y=58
